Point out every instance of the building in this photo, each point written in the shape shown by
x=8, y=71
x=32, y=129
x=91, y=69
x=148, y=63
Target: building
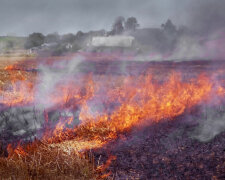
x=112, y=41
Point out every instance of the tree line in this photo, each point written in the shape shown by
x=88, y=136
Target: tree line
x=163, y=38
x=119, y=26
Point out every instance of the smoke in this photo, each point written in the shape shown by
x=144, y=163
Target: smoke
x=186, y=46
x=25, y=123
x=195, y=47
x=211, y=123
x=206, y=21
x=19, y=123
x=207, y=17
x=199, y=36
x=51, y=76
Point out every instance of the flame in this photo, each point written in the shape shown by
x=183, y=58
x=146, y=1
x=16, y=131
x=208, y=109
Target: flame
x=16, y=152
x=18, y=88
x=103, y=167
x=9, y=67
x=128, y=102
x=138, y=100
x=71, y=94
x=149, y=101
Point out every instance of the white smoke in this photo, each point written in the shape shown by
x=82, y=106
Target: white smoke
x=211, y=123
x=51, y=76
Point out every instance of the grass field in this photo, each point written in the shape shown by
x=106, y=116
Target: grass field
x=152, y=150
x=12, y=42
x=42, y=160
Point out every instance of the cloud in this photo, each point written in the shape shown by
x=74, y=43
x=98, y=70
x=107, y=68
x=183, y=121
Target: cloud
x=24, y=16
x=207, y=16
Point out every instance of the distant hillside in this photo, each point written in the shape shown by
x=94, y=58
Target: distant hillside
x=11, y=42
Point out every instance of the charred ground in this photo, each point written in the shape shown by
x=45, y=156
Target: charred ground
x=169, y=149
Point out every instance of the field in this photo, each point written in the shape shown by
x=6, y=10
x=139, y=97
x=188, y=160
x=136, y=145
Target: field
x=113, y=119
x=43, y=160
x=12, y=42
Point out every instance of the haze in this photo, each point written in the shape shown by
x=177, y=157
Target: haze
x=22, y=17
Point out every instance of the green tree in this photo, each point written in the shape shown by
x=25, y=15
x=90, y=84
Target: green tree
x=169, y=27
x=52, y=38
x=131, y=24
x=118, y=26
x=68, y=38
x=34, y=40
x=10, y=44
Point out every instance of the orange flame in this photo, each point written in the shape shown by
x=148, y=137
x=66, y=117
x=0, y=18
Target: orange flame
x=149, y=101
x=18, y=91
x=141, y=100
x=136, y=100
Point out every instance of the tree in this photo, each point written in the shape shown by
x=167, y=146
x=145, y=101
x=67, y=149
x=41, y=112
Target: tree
x=9, y=44
x=34, y=40
x=79, y=34
x=169, y=27
x=118, y=26
x=76, y=47
x=59, y=50
x=170, y=33
x=68, y=38
x=52, y=38
x=131, y=24
x=183, y=30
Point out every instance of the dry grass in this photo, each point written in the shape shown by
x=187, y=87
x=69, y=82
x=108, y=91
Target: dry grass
x=42, y=161
x=7, y=76
x=63, y=160
x=5, y=61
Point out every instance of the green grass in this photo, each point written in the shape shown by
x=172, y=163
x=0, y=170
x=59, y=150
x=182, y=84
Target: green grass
x=12, y=42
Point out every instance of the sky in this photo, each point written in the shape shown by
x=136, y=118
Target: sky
x=23, y=17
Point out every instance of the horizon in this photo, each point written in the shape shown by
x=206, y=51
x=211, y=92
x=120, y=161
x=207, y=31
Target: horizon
x=22, y=17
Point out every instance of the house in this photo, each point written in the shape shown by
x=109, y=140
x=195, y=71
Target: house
x=112, y=41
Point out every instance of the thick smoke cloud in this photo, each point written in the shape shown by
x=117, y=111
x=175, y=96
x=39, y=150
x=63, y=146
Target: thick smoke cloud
x=207, y=16
x=23, y=17
x=203, y=38
x=204, y=17
x=60, y=72
x=211, y=123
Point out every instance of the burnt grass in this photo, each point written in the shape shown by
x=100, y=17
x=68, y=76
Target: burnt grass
x=166, y=150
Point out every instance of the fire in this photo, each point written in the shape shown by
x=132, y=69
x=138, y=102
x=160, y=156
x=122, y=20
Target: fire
x=72, y=94
x=18, y=151
x=10, y=67
x=144, y=101
x=107, y=105
x=139, y=100
x=103, y=167
x=135, y=100
x=19, y=90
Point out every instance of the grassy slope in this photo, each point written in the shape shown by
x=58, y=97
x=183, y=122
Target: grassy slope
x=43, y=161
x=18, y=42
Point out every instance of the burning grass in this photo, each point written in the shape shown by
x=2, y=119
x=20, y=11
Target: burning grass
x=42, y=161
x=39, y=160
x=91, y=111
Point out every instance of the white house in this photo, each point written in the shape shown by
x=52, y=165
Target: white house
x=112, y=41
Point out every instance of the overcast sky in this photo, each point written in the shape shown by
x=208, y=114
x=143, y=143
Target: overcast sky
x=22, y=17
